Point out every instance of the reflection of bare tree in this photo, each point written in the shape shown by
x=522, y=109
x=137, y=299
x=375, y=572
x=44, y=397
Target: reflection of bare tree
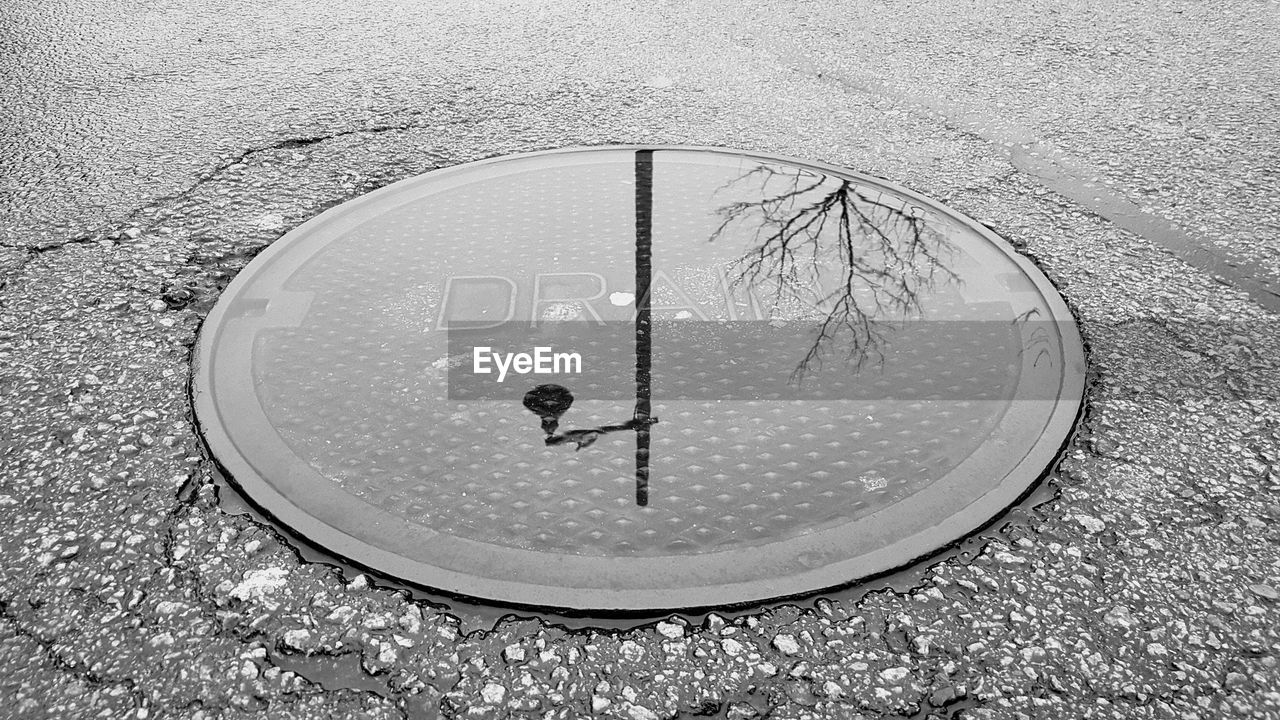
x=825, y=243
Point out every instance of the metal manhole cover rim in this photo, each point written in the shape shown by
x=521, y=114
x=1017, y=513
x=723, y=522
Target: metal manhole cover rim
x=1018, y=480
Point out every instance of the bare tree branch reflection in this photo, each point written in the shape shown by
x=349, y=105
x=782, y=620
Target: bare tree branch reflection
x=828, y=245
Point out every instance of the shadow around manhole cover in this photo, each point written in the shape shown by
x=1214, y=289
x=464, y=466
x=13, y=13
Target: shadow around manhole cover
x=637, y=379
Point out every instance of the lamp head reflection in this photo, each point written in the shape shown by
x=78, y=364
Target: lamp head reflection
x=549, y=402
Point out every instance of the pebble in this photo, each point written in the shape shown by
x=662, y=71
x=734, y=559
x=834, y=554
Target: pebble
x=259, y=583
x=493, y=693
x=1105, y=446
x=786, y=644
x=1118, y=616
x=599, y=704
x=943, y=695
x=341, y=615
x=640, y=712
x=1265, y=591
x=387, y=654
x=670, y=630
x=168, y=607
x=411, y=621
x=894, y=674
x=631, y=651
x=1090, y=524
x=513, y=654
x=297, y=639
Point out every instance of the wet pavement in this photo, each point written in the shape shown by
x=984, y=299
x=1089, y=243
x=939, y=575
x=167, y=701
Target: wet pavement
x=150, y=151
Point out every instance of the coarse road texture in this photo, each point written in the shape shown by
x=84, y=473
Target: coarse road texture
x=150, y=149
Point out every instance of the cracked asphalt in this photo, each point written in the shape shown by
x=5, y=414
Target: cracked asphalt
x=1131, y=148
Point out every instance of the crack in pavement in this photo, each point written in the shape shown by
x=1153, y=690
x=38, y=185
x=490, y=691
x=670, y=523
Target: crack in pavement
x=102, y=232
x=75, y=670
x=196, y=493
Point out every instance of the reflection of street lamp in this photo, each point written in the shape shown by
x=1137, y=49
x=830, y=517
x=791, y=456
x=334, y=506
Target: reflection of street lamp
x=644, y=355
x=549, y=402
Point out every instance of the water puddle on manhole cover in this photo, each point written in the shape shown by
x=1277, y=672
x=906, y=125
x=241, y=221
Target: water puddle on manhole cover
x=637, y=379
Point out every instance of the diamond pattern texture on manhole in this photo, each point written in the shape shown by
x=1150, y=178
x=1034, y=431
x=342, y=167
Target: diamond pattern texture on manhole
x=829, y=375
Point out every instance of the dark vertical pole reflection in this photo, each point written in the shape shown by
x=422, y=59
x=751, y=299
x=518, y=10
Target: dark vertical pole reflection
x=644, y=359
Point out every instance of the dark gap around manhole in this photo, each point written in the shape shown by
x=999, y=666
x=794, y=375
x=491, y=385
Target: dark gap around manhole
x=688, y=466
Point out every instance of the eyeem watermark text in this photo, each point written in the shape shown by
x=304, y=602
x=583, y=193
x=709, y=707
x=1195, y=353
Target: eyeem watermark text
x=542, y=361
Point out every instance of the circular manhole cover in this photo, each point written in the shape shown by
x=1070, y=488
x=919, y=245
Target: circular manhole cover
x=637, y=378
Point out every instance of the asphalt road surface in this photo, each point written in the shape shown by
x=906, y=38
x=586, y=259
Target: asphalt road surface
x=150, y=149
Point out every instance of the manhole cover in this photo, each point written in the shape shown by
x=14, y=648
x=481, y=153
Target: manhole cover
x=637, y=378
